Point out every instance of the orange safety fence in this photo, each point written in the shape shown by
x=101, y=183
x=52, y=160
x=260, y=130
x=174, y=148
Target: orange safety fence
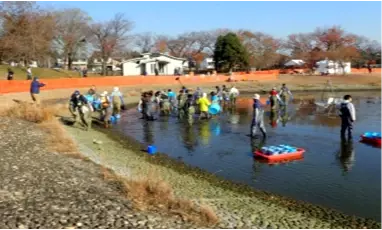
x=365, y=70
x=16, y=86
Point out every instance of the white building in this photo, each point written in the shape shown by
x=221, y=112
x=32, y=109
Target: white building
x=207, y=64
x=78, y=63
x=295, y=63
x=148, y=62
x=331, y=67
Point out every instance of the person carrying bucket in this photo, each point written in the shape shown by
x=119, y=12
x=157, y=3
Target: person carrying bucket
x=347, y=114
x=274, y=98
x=204, y=103
x=258, y=117
x=284, y=94
x=106, y=108
x=117, y=99
x=233, y=94
x=80, y=108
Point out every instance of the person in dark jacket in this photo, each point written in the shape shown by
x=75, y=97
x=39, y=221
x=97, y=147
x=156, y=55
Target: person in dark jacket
x=347, y=114
x=80, y=109
x=258, y=117
x=35, y=90
x=10, y=74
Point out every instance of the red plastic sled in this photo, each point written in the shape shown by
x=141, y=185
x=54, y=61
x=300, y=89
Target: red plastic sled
x=282, y=157
x=372, y=141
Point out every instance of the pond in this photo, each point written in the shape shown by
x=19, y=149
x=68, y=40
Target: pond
x=346, y=177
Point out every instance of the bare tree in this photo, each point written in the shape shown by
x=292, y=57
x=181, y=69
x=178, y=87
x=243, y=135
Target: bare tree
x=71, y=33
x=262, y=48
x=27, y=31
x=145, y=42
x=109, y=36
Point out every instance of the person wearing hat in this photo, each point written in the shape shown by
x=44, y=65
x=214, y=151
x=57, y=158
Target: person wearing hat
x=258, y=117
x=80, y=108
x=35, y=90
x=117, y=99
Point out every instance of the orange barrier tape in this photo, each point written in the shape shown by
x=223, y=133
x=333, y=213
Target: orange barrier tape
x=16, y=86
x=365, y=70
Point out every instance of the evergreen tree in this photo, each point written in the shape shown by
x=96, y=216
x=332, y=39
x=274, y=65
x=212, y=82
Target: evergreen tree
x=229, y=53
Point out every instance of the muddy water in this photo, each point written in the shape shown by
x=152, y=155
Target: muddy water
x=344, y=176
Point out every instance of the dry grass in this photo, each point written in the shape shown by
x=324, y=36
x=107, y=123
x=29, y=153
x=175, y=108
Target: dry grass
x=56, y=137
x=152, y=193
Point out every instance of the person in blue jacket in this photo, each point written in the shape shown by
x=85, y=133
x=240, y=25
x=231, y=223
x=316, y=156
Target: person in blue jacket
x=258, y=117
x=35, y=90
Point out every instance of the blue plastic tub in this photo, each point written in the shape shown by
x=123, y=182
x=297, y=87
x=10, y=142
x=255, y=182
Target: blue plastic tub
x=151, y=149
x=214, y=109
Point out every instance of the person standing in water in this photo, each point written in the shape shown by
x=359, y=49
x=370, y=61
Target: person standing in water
x=347, y=114
x=258, y=117
x=203, y=103
x=233, y=94
x=189, y=109
x=285, y=93
x=274, y=98
x=117, y=99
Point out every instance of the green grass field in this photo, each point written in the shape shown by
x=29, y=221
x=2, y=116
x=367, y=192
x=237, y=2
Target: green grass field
x=20, y=73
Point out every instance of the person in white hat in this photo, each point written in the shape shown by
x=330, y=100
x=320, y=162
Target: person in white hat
x=258, y=117
x=117, y=100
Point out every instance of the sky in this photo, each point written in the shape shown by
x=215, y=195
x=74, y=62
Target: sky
x=275, y=18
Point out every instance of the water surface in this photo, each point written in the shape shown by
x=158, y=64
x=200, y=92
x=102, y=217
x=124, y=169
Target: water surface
x=344, y=176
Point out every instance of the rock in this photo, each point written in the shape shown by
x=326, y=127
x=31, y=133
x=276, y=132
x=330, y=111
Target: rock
x=21, y=226
x=79, y=224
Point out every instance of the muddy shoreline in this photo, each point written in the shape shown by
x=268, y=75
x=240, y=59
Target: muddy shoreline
x=240, y=191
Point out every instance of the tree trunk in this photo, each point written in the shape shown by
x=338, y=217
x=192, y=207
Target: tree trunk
x=104, y=60
x=70, y=61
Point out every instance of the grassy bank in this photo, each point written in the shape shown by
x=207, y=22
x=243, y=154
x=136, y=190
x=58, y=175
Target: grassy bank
x=20, y=73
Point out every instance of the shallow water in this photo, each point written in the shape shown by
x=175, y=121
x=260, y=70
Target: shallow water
x=332, y=174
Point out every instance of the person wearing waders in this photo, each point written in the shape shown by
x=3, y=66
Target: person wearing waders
x=141, y=106
x=258, y=117
x=203, y=103
x=165, y=105
x=172, y=99
x=274, y=98
x=219, y=94
x=189, y=109
x=347, y=114
x=106, y=108
x=80, y=108
x=182, y=97
x=148, y=104
x=285, y=93
x=117, y=99
x=233, y=94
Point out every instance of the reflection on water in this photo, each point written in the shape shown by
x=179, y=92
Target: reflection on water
x=221, y=144
x=347, y=155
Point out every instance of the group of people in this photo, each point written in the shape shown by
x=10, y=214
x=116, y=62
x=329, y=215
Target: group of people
x=186, y=103
x=108, y=105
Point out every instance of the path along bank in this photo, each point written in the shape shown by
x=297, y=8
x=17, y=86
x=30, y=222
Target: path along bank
x=236, y=205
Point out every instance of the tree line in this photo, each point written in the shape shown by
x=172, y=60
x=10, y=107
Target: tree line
x=28, y=33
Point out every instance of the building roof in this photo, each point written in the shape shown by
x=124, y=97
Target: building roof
x=295, y=62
